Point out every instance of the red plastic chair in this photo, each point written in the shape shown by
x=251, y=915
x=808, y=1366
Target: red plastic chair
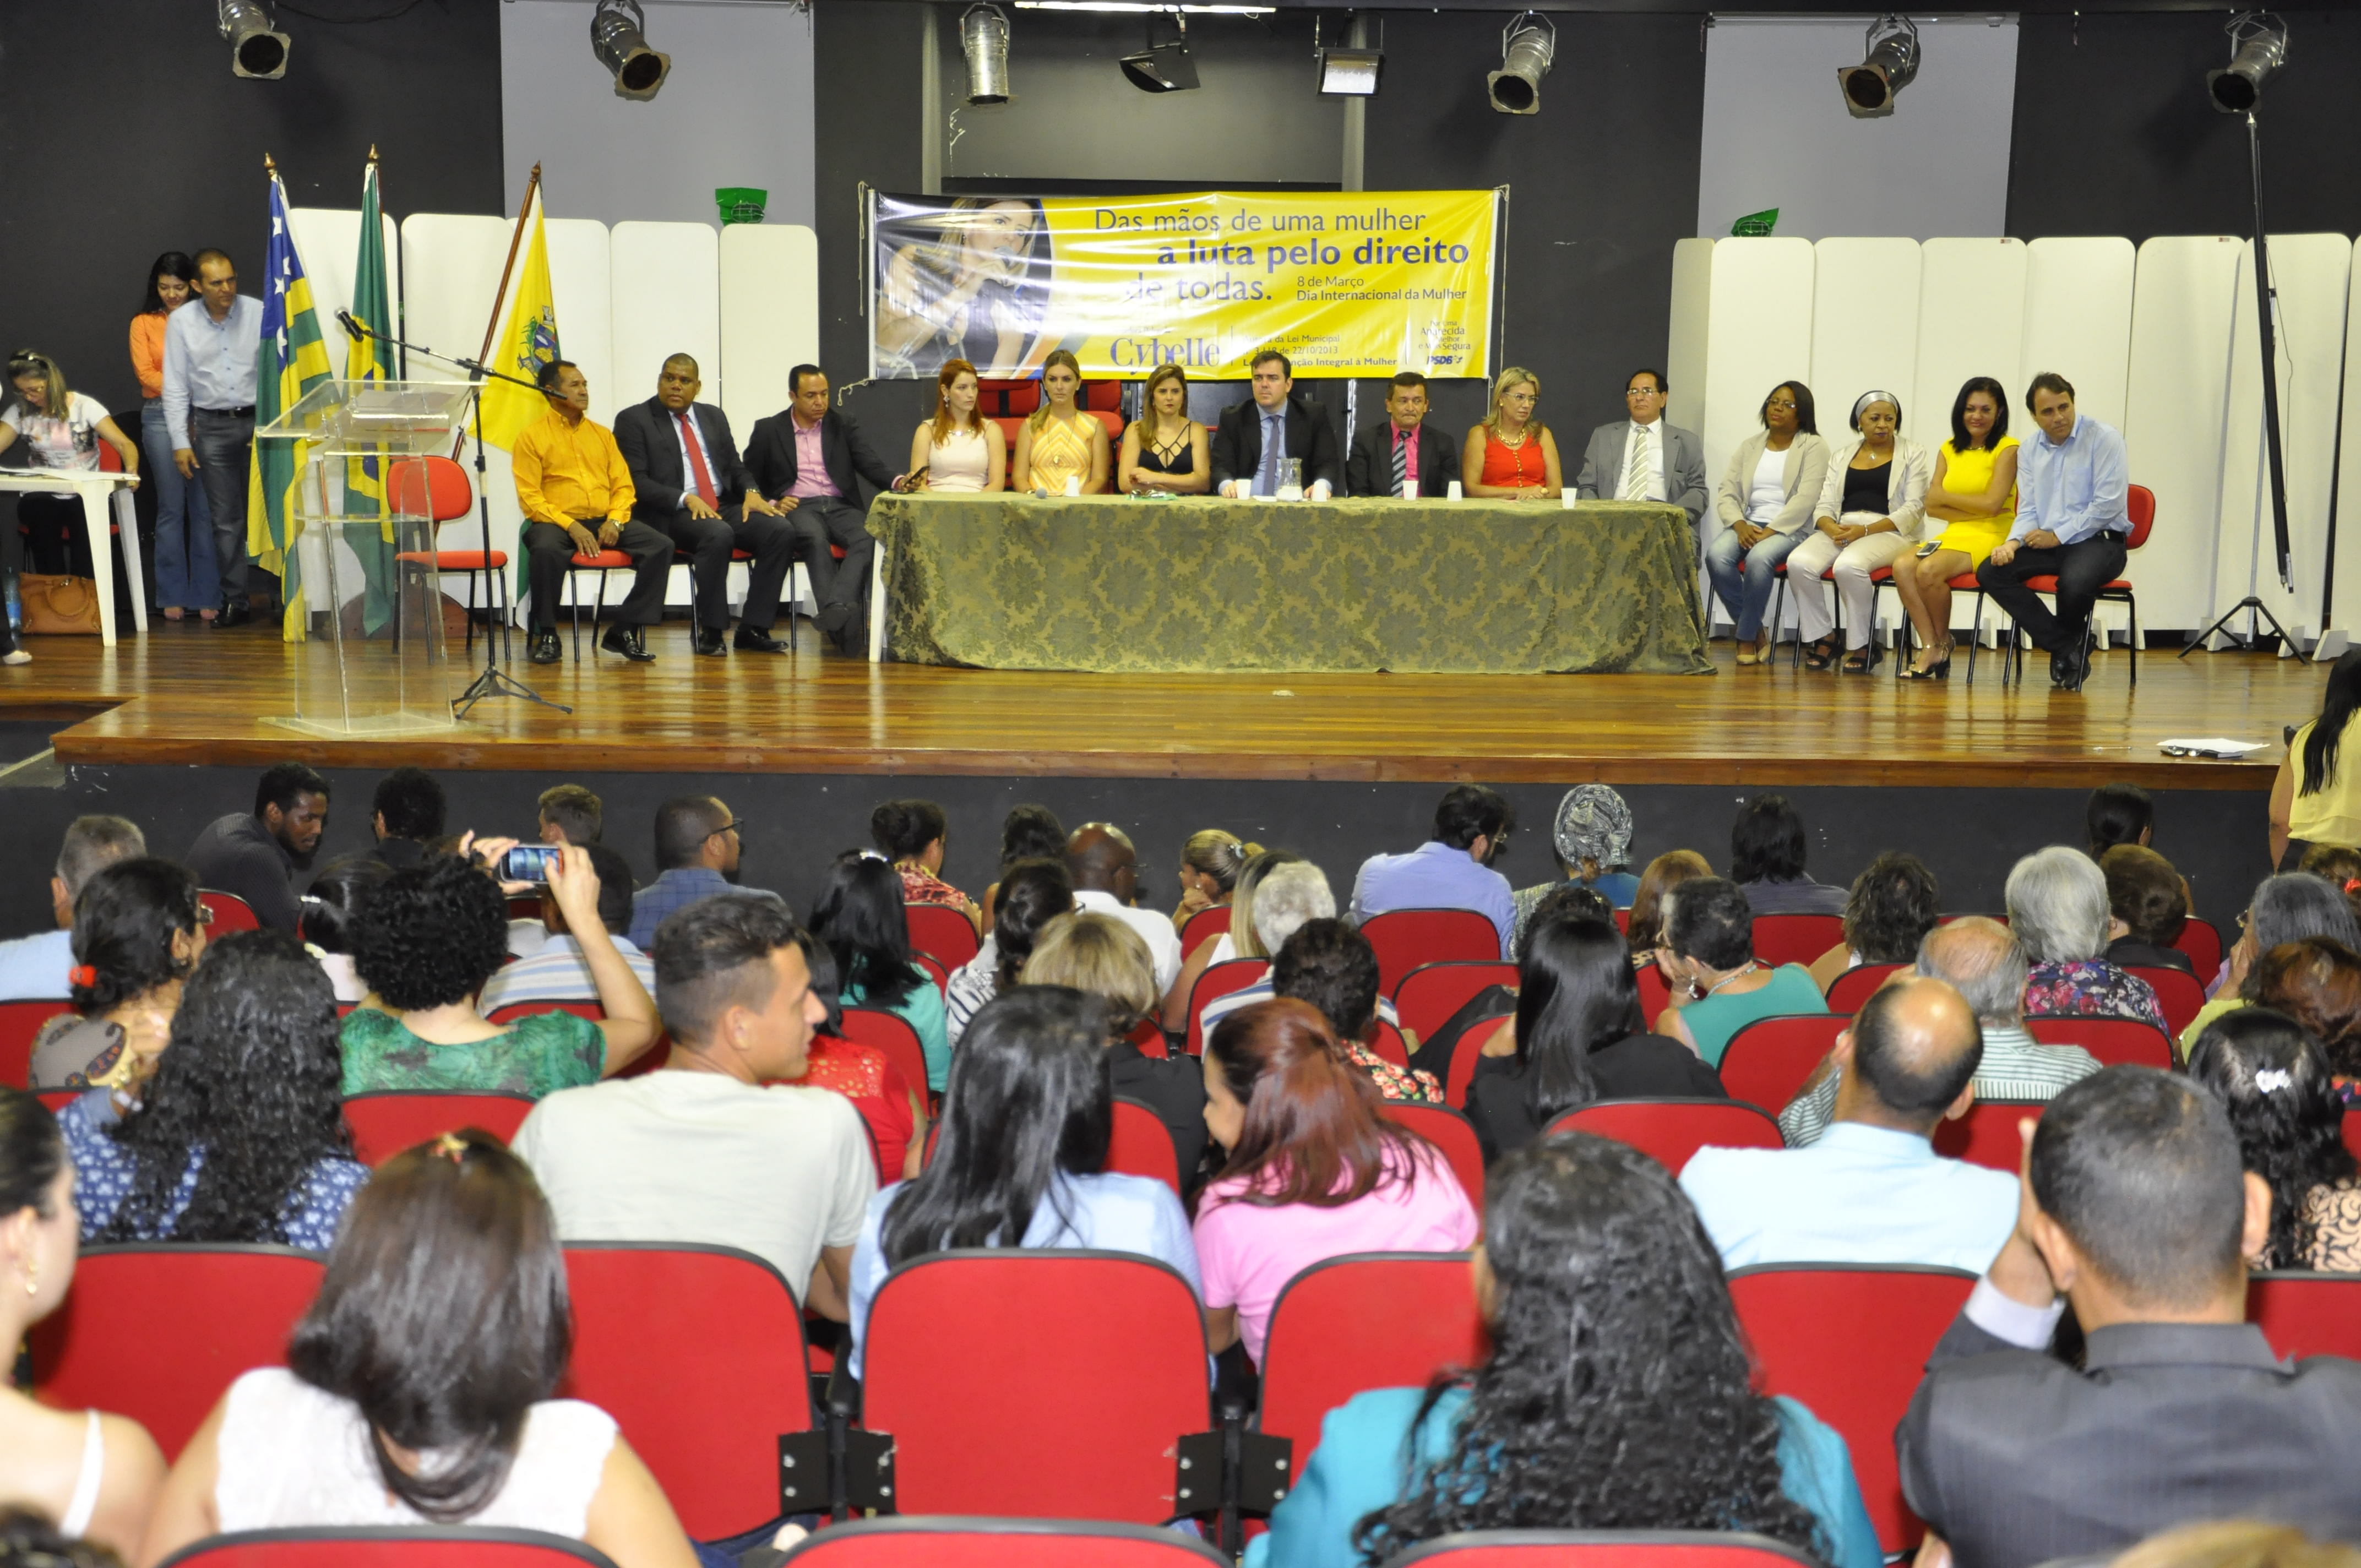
x=935, y=968
x=1878, y=578
x=1857, y=984
x=704, y=1410
x=405, y=1546
x=1097, y=1371
x=1148, y=1036
x=19, y=1023
x=1851, y=1345
x=1325, y=1345
x=888, y=1541
x=386, y=1122
x=231, y=913
x=1987, y=1135
x=1453, y=1134
x=2178, y=994
x=1405, y=938
x=159, y=1331
x=1217, y=981
x=890, y=1033
x=1670, y=1131
x=2114, y=1041
x=1429, y=994
x=1386, y=1041
x=525, y=906
x=437, y=487
x=1142, y=1144
x=56, y=1099
x=516, y=1010
x=2203, y=943
x=1795, y=939
x=943, y=933
x=1769, y=1060
x=603, y=562
x=1204, y=927
x=1602, y=1549
x=2139, y=506
x=2349, y=1133
x=2302, y=1313
x=1623, y=920
x=1655, y=992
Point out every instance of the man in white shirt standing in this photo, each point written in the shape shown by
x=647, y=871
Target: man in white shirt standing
x=1645, y=457
x=34, y=969
x=1105, y=870
x=719, y=1147
x=210, y=347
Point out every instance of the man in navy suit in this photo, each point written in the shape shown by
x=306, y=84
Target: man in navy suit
x=690, y=485
x=809, y=459
x=1244, y=466
x=1398, y=448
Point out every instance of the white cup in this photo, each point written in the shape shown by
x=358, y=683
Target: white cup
x=1565, y=500
x=1410, y=489
x=1453, y=494
x=1073, y=484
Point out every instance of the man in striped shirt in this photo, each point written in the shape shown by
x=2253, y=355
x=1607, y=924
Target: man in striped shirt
x=1984, y=962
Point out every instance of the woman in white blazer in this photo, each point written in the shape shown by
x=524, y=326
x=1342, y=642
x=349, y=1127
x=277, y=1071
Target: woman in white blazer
x=1873, y=508
x=1766, y=504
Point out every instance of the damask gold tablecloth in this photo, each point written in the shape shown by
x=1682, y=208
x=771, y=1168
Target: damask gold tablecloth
x=1121, y=585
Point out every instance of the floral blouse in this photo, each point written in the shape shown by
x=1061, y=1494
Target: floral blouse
x=1394, y=1082
x=2091, y=988
x=920, y=886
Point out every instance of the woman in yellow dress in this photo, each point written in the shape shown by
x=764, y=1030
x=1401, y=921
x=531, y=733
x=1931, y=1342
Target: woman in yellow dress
x=1059, y=440
x=1975, y=492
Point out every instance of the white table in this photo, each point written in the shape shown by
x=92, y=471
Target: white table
x=94, y=484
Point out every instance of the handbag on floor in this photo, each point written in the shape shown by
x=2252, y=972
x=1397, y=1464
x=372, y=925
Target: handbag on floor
x=56, y=605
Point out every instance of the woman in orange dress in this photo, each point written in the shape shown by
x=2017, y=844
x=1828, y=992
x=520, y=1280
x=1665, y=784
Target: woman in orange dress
x=1512, y=455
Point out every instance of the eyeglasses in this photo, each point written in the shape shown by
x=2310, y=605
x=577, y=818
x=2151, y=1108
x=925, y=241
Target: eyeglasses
x=1644, y=392
x=1780, y=404
x=732, y=825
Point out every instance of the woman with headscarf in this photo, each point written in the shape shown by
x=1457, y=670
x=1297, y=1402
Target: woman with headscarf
x=1592, y=841
x=1873, y=508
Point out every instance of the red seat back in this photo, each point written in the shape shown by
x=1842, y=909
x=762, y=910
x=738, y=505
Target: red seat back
x=516, y=1010
x=944, y=933
x=433, y=488
x=1453, y=1134
x=2176, y=992
x=890, y=1033
x=1204, y=927
x=1142, y=1144
x=890, y=1541
x=1147, y=1034
x=2349, y=1133
x=1429, y=994
x=1602, y=1549
x=2116, y=1042
x=1218, y=980
x=525, y=906
x=2139, y=507
x=159, y=1332
x=1768, y=1060
x=2307, y=1314
x=56, y=1099
x=231, y=913
x=2203, y=943
x=404, y=1546
x=1097, y=1369
x=389, y=1121
x=1326, y=1344
x=1857, y=984
x=1464, y=1055
x=1655, y=992
x=1988, y=1134
x=1405, y=938
x=704, y=1410
x=1795, y=939
x=1386, y=1041
x=937, y=971
x=1670, y=1131
x=19, y=1022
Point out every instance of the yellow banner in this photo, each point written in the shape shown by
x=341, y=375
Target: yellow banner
x=1344, y=283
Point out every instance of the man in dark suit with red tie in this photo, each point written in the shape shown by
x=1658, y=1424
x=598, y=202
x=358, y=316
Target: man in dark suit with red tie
x=809, y=458
x=691, y=485
x=1399, y=449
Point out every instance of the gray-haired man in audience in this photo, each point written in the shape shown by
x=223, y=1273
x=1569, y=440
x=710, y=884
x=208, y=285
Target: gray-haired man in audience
x=34, y=968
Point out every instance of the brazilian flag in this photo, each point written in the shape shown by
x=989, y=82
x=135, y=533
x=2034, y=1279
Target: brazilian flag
x=370, y=359
x=291, y=362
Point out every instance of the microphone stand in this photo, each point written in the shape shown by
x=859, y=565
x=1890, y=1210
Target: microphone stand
x=493, y=681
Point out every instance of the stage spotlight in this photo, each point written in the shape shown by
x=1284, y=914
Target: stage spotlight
x=618, y=38
x=1164, y=66
x=1350, y=72
x=2259, y=42
x=984, y=34
x=1868, y=88
x=1526, y=44
x=256, y=48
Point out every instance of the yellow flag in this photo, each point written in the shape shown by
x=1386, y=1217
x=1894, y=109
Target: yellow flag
x=527, y=341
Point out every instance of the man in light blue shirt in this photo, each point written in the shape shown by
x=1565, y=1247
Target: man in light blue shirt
x=2071, y=523
x=210, y=347
x=1871, y=1189
x=34, y=969
x=1450, y=871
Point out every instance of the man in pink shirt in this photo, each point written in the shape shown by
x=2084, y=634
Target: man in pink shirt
x=807, y=461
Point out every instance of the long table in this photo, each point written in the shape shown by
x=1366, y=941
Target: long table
x=1118, y=584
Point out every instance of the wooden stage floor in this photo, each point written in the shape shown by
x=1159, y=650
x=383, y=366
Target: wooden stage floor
x=185, y=695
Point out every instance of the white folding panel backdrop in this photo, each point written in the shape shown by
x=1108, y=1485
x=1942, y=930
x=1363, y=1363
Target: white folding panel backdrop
x=2348, y=488
x=770, y=317
x=1864, y=299
x=2173, y=415
x=2078, y=321
x=1971, y=319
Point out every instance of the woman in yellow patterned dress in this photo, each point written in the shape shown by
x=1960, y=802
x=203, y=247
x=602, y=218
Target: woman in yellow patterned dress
x=1059, y=440
x=1975, y=492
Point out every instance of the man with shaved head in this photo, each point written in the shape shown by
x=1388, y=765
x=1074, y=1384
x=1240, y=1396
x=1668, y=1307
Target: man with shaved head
x=1872, y=1189
x=1105, y=870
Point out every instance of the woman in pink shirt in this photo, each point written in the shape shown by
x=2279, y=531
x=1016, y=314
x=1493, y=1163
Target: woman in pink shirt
x=1313, y=1170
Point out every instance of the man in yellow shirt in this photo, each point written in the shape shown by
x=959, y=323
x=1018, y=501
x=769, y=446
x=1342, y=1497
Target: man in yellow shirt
x=577, y=495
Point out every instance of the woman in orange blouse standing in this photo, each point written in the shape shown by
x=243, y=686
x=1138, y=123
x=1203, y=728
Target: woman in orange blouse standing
x=1512, y=456
x=186, y=576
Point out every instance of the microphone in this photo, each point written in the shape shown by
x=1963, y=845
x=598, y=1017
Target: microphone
x=353, y=329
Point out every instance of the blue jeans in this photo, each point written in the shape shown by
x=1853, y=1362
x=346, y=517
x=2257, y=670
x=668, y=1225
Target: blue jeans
x=186, y=578
x=1742, y=579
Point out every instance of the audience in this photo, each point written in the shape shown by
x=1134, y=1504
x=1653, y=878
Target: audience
x=453, y=1232
x=2272, y=1079
x=1239, y=941
x=1450, y=871
x=2334, y=864
x=2057, y=908
x=138, y=931
x=719, y=1147
x=1211, y=861
x=1871, y=1189
x=1766, y=859
x=256, y=855
x=2237, y=1543
x=2287, y=908
x=2315, y=800
x=914, y=833
x=1023, y=1154
x=861, y=919
x=425, y=942
x=2318, y=983
x=326, y=928
x=1592, y=841
x=1663, y=873
x=2138, y=1215
x=1618, y=1395
x=1893, y=905
x=406, y=815
x=38, y=967
x=1329, y=964
x=241, y=1137
x=1576, y=1036
x=1105, y=872
x=1707, y=953
x=1104, y=958
x=698, y=855
x=95, y=1475
x=1312, y=1169
x=570, y=813
x=2118, y=814
x=558, y=971
x=1978, y=958
x=1026, y=833
x=1032, y=893
x=893, y=1108
x=1285, y=896
x=2148, y=904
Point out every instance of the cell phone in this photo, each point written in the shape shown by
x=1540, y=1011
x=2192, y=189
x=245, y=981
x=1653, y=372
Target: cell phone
x=1927, y=550
x=528, y=862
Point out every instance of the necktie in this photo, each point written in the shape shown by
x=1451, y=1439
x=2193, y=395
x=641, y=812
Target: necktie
x=697, y=461
x=1274, y=447
x=1402, y=460
x=1635, y=478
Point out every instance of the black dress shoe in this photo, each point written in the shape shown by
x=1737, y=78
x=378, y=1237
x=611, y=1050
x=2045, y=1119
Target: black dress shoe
x=545, y=648
x=232, y=614
x=628, y=642
x=749, y=641
x=709, y=641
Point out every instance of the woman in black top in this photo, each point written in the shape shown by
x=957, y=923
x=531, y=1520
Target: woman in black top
x=1576, y=1036
x=1164, y=451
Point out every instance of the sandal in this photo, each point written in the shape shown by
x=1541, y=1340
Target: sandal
x=1861, y=661
x=1823, y=653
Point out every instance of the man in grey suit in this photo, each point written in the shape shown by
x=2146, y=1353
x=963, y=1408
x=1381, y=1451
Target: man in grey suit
x=1644, y=458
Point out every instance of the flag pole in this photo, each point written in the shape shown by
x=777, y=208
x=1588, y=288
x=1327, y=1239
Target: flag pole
x=516, y=240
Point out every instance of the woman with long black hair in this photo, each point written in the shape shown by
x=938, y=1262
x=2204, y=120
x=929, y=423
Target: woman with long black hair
x=1618, y=1394
x=2274, y=1079
x=862, y=921
x=2315, y=799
